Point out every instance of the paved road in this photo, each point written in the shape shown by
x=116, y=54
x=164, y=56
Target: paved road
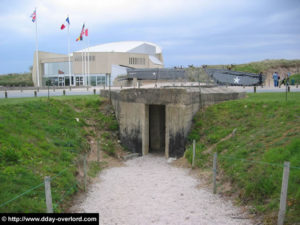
x=84, y=91
x=264, y=89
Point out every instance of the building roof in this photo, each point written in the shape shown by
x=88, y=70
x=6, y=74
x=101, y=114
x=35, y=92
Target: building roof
x=142, y=47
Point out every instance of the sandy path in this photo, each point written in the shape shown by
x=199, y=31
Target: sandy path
x=150, y=191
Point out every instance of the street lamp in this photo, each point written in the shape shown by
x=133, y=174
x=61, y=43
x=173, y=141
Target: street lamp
x=155, y=74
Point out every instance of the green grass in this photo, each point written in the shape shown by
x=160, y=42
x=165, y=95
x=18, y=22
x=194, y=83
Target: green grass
x=41, y=138
x=296, y=78
x=16, y=80
x=268, y=130
x=262, y=66
x=95, y=168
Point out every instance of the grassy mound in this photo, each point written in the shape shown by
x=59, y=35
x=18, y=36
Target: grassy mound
x=268, y=133
x=44, y=138
x=262, y=66
x=16, y=80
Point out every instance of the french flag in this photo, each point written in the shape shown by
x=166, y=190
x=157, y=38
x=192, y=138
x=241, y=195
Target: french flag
x=63, y=26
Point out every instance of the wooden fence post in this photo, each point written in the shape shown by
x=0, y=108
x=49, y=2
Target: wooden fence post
x=194, y=152
x=5, y=94
x=98, y=151
x=283, y=195
x=85, y=172
x=48, y=194
x=94, y=91
x=64, y=92
x=35, y=93
x=254, y=89
x=215, y=173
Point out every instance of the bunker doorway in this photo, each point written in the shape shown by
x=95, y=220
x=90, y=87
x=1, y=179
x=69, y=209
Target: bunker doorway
x=157, y=128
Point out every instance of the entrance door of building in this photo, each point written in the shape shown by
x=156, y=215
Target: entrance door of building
x=79, y=81
x=157, y=128
x=61, y=81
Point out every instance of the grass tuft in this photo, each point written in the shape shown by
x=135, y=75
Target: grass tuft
x=268, y=130
x=41, y=138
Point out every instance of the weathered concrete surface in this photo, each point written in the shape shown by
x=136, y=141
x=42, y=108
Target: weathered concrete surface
x=181, y=104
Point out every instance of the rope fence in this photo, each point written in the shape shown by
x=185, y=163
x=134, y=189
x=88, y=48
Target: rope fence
x=68, y=191
x=22, y=194
x=258, y=162
x=285, y=177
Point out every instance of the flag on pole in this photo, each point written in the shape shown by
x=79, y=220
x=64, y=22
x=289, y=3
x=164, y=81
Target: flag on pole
x=82, y=30
x=63, y=26
x=86, y=32
x=33, y=16
x=80, y=38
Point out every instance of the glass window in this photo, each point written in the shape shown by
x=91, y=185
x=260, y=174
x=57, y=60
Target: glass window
x=57, y=68
x=93, y=80
x=100, y=80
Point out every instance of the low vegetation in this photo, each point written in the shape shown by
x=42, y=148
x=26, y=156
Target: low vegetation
x=296, y=78
x=262, y=66
x=198, y=74
x=268, y=133
x=40, y=137
x=15, y=79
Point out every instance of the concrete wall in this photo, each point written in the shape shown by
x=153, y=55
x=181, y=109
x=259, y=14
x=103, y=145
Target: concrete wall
x=131, y=118
x=132, y=111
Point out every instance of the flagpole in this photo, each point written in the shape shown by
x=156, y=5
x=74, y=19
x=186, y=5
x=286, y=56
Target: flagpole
x=85, y=75
x=37, y=51
x=87, y=80
x=70, y=77
x=82, y=62
x=89, y=58
x=86, y=65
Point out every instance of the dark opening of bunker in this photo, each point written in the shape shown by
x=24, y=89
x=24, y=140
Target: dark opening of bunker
x=157, y=128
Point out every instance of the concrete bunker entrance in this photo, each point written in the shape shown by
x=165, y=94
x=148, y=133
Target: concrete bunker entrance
x=157, y=128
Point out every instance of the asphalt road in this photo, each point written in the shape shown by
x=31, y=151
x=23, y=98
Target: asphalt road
x=84, y=91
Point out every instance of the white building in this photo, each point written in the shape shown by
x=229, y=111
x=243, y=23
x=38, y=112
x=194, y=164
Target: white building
x=92, y=66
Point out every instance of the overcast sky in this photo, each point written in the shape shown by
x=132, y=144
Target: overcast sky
x=188, y=31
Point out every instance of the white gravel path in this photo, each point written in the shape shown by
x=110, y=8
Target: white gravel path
x=150, y=191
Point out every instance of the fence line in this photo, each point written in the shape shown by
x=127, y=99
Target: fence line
x=65, y=195
x=255, y=161
x=259, y=162
x=57, y=175
x=20, y=195
x=285, y=179
x=82, y=158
